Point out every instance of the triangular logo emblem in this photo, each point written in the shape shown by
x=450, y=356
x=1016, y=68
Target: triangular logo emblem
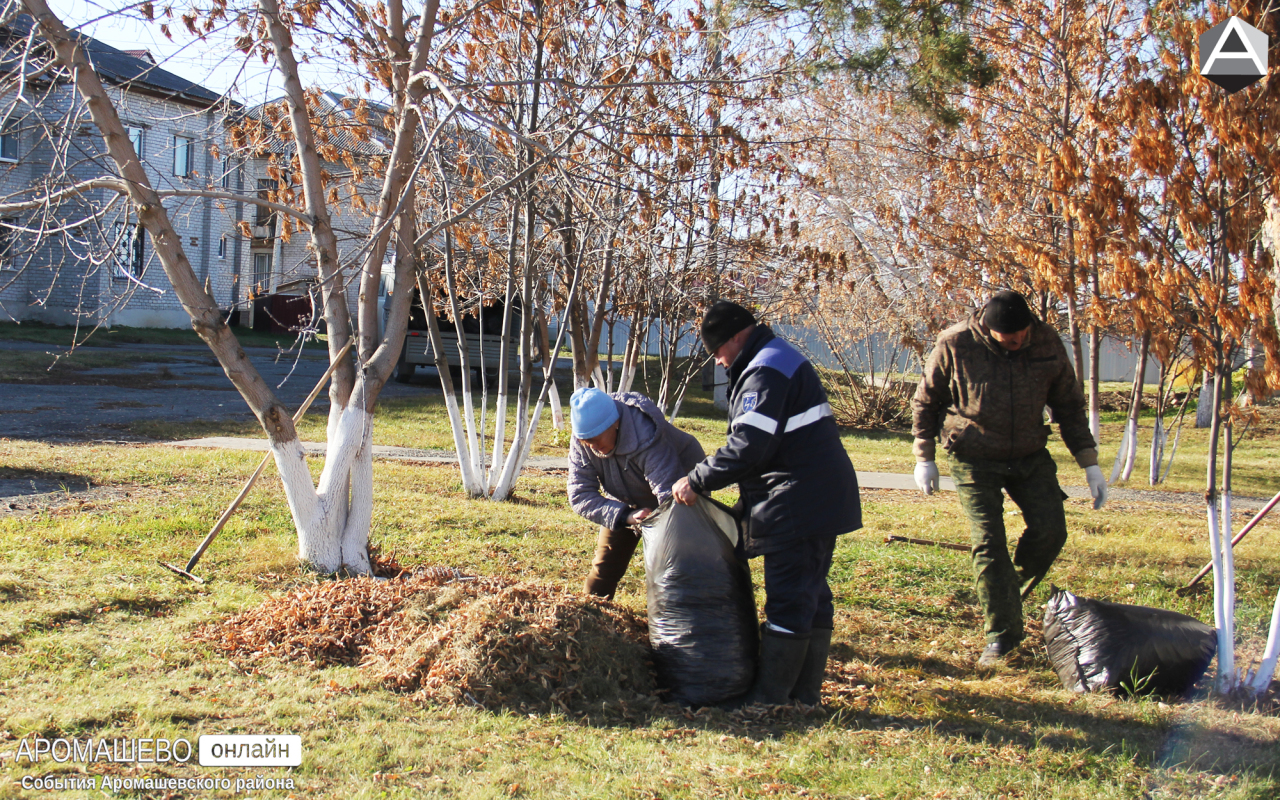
x=1233, y=44
x=1233, y=54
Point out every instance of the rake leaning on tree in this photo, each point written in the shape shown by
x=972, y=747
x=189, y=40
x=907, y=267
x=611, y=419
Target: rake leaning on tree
x=984, y=391
x=798, y=489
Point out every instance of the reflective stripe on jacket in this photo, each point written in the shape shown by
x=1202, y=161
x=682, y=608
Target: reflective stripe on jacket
x=784, y=450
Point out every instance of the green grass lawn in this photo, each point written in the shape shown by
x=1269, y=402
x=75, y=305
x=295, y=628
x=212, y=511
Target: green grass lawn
x=96, y=643
x=65, y=336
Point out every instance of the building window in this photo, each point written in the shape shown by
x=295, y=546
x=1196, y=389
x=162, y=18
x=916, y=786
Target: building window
x=182, y=147
x=130, y=241
x=264, y=217
x=262, y=272
x=9, y=143
x=222, y=246
x=227, y=169
x=8, y=234
x=135, y=136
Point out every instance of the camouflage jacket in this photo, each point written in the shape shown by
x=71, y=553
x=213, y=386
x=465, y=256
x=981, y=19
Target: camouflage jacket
x=986, y=402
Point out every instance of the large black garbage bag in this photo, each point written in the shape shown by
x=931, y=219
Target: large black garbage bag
x=702, y=613
x=1096, y=645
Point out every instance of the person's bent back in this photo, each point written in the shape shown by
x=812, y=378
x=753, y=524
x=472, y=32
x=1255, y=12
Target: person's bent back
x=623, y=460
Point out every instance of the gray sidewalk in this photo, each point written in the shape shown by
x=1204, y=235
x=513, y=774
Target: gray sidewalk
x=870, y=480
x=866, y=480
x=379, y=451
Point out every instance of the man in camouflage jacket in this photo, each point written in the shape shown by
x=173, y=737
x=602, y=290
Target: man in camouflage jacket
x=984, y=391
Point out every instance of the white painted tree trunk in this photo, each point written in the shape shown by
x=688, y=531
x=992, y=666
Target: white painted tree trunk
x=1122, y=455
x=557, y=412
x=1158, y=440
x=1227, y=678
x=1261, y=680
x=499, y=433
x=332, y=519
x=1131, y=458
x=1226, y=648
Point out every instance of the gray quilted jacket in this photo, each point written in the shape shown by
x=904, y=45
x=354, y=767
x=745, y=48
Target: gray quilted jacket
x=650, y=456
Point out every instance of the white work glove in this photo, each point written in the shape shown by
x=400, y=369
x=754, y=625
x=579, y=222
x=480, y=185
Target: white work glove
x=927, y=476
x=1097, y=485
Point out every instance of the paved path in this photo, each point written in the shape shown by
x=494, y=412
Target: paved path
x=379, y=451
x=868, y=480
x=183, y=383
x=174, y=383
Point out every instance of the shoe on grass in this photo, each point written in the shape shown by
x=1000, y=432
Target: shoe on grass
x=995, y=652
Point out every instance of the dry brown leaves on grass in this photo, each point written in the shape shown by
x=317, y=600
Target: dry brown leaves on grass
x=449, y=638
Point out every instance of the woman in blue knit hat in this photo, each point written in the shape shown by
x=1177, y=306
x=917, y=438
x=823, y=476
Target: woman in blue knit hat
x=624, y=458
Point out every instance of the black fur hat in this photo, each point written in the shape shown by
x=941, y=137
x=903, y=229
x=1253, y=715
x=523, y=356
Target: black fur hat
x=723, y=320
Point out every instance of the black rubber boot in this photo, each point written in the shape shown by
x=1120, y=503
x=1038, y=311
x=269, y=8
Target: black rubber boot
x=781, y=657
x=808, y=688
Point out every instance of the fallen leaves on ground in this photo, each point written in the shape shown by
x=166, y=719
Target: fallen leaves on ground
x=445, y=637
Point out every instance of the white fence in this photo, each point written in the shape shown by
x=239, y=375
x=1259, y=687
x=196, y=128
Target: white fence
x=1116, y=361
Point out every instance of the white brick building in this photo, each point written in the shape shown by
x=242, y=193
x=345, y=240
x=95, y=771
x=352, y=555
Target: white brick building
x=85, y=261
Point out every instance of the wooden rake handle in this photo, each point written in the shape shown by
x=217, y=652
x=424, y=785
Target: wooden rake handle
x=231, y=509
x=1234, y=541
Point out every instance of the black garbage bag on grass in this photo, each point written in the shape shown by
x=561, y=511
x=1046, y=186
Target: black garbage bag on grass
x=702, y=612
x=1098, y=646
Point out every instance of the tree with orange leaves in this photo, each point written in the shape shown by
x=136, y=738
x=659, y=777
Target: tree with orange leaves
x=1205, y=164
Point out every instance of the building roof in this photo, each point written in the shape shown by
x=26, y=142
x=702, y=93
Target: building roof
x=335, y=124
x=133, y=70
x=145, y=55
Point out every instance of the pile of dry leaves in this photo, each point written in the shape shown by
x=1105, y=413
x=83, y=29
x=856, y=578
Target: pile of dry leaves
x=450, y=638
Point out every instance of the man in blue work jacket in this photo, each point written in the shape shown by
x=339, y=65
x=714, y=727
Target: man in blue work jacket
x=798, y=493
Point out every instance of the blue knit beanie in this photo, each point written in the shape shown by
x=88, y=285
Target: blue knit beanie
x=592, y=412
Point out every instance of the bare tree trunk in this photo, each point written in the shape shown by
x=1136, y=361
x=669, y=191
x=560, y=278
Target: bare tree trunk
x=1204, y=405
x=1158, y=435
x=500, y=410
x=1073, y=313
x=473, y=452
x=631, y=354
x=1095, y=411
x=1135, y=405
x=324, y=243
x=471, y=482
x=557, y=415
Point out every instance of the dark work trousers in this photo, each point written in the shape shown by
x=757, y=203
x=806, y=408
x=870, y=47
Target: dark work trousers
x=1032, y=483
x=796, y=594
x=614, y=549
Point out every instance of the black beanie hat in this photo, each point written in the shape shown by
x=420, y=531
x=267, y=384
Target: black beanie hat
x=1007, y=312
x=723, y=320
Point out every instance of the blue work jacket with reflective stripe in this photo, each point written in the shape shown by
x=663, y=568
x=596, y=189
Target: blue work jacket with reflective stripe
x=784, y=450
